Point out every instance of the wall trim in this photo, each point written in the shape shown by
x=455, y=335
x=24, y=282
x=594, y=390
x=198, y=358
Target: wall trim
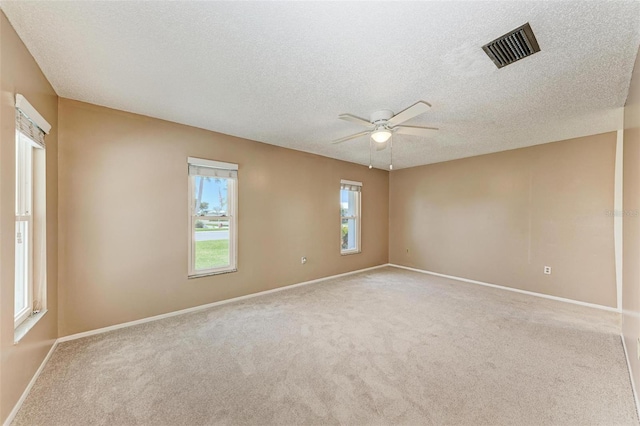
x=618, y=214
x=633, y=385
x=208, y=305
x=24, y=395
x=516, y=290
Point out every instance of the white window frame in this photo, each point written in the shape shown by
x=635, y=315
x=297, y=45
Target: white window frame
x=357, y=217
x=31, y=208
x=24, y=213
x=231, y=216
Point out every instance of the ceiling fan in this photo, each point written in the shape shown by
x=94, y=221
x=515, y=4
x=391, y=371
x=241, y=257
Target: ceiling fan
x=384, y=123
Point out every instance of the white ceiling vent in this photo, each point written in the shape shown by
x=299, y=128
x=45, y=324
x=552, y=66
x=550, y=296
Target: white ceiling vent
x=513, y=46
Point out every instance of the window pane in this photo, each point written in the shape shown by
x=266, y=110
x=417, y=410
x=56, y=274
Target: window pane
x=22, y=276
x=24, y=158
x=348, y=202
x=211, y=243
x=211, y=196
x=349, y=234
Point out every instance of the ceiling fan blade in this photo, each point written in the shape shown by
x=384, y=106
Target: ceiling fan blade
x=354, y=119
x=415, y=130
x=381, y=146
x=416, y=109
x=346, y=138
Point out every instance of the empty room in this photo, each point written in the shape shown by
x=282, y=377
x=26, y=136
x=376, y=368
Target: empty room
x=319, y=213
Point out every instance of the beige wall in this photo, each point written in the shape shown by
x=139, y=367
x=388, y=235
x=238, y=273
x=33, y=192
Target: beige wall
x=631, y=226
x=124, y=225
x=20, y=74
x=500, y=218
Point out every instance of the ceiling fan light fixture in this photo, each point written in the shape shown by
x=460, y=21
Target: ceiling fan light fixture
x=381, y=135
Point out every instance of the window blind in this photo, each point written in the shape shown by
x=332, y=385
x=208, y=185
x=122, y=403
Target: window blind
x=211, y=168
x=28, y=128
x=350, y=185
x=214, y=172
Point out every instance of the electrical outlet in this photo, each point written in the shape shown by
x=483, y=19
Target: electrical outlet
x=547, y=270
x=303, y=260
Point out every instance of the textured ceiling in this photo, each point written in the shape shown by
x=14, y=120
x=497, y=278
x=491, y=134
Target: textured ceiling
x=281, y=73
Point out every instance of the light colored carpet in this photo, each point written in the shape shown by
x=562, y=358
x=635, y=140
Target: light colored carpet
x=384, y=347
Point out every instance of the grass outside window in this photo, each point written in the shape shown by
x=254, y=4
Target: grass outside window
x=212, y=253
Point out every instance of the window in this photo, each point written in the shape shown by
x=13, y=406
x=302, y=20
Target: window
x=213, y=198
x=350, y=216
x=30, y=213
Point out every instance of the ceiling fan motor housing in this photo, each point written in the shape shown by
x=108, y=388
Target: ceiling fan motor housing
x=381, y=117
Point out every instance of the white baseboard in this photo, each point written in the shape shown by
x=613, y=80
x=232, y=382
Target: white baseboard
x=633, y=384
x=208, y=305
x=13, y=412
x=516, y=290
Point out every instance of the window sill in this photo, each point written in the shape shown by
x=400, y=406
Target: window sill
x=208, y=274
x=348, y=253
x=26, y=325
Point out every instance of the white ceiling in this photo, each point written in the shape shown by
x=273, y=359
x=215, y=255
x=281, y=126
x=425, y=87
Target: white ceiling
x=281, y=73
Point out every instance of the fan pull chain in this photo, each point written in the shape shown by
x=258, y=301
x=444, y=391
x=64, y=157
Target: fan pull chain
x=391, y=148
x=370, y=152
